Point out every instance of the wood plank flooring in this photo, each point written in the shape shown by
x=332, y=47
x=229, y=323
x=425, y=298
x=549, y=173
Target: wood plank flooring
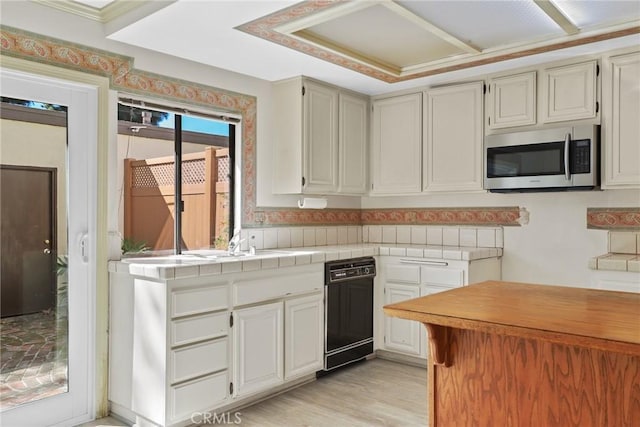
x=372, y=393
x=375, y=393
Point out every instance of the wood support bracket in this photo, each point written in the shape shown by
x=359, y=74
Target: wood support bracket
x=439, y=344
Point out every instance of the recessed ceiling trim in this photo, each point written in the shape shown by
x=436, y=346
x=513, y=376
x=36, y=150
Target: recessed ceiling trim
x=267, y=28
x=558, y=17
x=301, y=29
x=338, y=9
x=433, y=29
x=499, y=55
x=109, y=12
x=322, y=43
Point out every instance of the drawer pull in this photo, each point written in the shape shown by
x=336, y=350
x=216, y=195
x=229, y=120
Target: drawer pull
x=413, y=261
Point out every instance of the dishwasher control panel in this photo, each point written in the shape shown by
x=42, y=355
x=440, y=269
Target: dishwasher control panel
x=338, y=271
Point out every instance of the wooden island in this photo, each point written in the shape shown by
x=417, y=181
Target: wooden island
x=514, y=354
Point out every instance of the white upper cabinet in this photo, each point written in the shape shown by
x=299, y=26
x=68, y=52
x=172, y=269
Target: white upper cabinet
x=312, y=134
x=397, y=145
x=320, y=127
x=621, y=129
x=353, y=159
x=512, y=101
x=453, y=135
x=569, y=92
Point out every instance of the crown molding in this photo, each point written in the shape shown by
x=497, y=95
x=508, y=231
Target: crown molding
x=106, y=14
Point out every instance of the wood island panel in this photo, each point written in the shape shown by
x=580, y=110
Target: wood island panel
x=513, y=354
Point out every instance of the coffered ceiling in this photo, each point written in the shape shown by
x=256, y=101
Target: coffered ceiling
x=370, y=45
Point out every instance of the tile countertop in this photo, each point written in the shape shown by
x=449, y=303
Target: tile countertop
x=194, y=265
x=616, y=262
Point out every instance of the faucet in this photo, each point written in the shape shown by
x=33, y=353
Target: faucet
x=234, y=243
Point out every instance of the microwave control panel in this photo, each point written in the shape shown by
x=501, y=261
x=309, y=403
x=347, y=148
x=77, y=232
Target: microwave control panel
x=581, y=156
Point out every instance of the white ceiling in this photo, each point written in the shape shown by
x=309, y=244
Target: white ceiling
x=205, y=31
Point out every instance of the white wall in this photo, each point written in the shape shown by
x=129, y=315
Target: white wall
x=555, y=247
x=33, y=144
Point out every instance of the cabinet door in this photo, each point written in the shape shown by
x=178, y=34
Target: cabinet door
x=401, y=335
x=512, y=101
x=569, y=92
x=258, y=345
x=353, y=144
x=397, y=144
x=453, y=138
x=303, y=336
x=622, y=133
x=320, y=139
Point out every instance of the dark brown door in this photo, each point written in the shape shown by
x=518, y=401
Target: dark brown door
x=28, y=239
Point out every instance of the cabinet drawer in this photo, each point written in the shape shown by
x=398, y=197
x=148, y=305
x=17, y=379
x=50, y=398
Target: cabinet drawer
x=434, y=289
x=442, y=276
x=199, y=300
x=199, y=328
x=196, y=360
x=403, y=273
x=283, y=285
x=197, y=395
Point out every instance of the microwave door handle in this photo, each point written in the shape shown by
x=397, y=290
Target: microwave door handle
x=567, y=140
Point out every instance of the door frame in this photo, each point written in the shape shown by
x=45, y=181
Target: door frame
x=78, y=404
x=53, y=221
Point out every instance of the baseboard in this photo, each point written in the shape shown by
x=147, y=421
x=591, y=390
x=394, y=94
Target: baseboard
x=121, y=413
x=402, y=358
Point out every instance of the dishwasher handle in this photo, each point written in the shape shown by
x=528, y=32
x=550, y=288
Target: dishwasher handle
x=425, y=262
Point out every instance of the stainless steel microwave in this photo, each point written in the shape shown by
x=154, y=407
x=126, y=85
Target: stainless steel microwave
x=557, y=159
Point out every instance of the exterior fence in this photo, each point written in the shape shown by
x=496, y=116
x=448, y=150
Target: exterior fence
x=149, y=209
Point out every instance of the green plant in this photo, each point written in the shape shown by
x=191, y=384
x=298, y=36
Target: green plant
x=130, y=246
x=222, y=240
x=62, y=264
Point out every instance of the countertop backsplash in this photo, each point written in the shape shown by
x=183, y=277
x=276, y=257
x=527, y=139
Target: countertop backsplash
x=623, y=255
x=295, y=237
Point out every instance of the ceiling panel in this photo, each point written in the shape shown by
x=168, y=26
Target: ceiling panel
x=488, y=24
x=596, y=13
x=380, y=35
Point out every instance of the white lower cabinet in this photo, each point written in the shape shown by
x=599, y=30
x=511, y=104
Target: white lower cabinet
x=400, y=334
x=258, y=339
x=190, y=397
x=401, y=279
x=276, y=342
x=304, y=333
x=201, y=344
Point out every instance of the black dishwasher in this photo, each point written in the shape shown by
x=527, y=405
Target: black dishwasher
x=348, y=311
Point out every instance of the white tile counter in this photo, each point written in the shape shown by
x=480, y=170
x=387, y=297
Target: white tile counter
x=616, y=262
x=196, y=263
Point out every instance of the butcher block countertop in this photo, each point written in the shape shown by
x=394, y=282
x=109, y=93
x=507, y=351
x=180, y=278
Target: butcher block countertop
x=515, y=354
x=586, y=317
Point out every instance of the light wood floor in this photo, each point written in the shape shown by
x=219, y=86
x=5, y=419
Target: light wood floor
x=372, y=393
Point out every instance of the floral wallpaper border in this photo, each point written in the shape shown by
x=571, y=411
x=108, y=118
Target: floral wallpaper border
x=489, y=216
x=123, y=76
x=613, y=218
x=443, y=216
